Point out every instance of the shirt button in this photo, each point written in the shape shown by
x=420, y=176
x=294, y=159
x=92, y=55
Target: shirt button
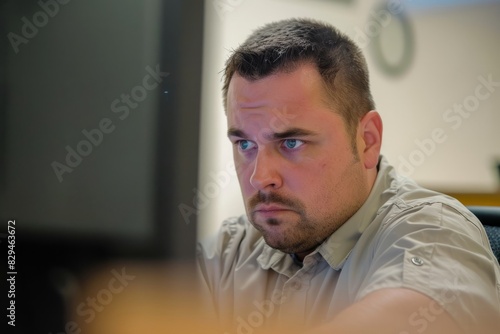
x=417, y=261
x=296, y=285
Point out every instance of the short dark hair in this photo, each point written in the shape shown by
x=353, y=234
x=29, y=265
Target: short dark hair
x=283, y=45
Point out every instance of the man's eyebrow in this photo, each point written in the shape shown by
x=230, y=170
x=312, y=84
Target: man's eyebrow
x=233, y=132
x=289, y=133
x=293, y=132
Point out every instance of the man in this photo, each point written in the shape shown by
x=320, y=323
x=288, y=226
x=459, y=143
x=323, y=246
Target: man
x=333, y=240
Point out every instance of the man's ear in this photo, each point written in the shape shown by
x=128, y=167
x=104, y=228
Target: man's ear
x=370, y=134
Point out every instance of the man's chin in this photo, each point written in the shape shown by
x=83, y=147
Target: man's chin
x=273, y=228
x=277, y=217
x=287, y=243
x=287, y=248
x=280, y=243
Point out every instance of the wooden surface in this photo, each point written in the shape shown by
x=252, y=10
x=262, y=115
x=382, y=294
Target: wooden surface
x=152, y=299
x=488, y=199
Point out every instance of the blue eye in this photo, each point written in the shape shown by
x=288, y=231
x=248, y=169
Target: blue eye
x=245, y=145
x=292, y=143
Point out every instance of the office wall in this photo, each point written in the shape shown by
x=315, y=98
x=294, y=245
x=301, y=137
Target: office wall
x=426, y=135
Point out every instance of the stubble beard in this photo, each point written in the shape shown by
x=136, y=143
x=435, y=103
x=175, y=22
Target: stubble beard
x=304, y=233
x=291, y=235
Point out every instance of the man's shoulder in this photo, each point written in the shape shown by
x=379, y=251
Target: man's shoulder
x=412, y=198
x=396, y=197
x=411, y=204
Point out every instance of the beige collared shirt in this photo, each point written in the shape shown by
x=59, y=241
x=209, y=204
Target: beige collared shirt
x=403, y=236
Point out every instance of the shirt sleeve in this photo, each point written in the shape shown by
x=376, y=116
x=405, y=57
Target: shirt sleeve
x=441, y=252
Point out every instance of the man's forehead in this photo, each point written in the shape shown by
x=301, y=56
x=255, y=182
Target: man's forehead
x=247, y=92
x=276, y=118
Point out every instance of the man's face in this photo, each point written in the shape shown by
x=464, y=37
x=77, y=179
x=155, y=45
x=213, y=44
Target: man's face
x=298, y=174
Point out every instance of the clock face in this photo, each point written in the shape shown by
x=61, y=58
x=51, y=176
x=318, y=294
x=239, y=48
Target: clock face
x=393, y=46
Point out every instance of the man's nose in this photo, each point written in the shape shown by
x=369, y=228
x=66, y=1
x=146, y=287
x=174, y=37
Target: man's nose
x=266, y=172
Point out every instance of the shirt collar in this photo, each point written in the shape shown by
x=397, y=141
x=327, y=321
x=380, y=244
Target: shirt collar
x=336, y=248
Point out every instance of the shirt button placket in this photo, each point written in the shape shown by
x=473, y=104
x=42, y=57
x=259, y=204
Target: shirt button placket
x=296, y=285
x=293, y=309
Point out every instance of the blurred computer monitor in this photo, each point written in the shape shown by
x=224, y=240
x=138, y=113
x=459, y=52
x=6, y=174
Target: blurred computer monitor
x=99, y=112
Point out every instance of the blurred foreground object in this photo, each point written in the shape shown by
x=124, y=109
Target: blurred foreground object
x=132, y=298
